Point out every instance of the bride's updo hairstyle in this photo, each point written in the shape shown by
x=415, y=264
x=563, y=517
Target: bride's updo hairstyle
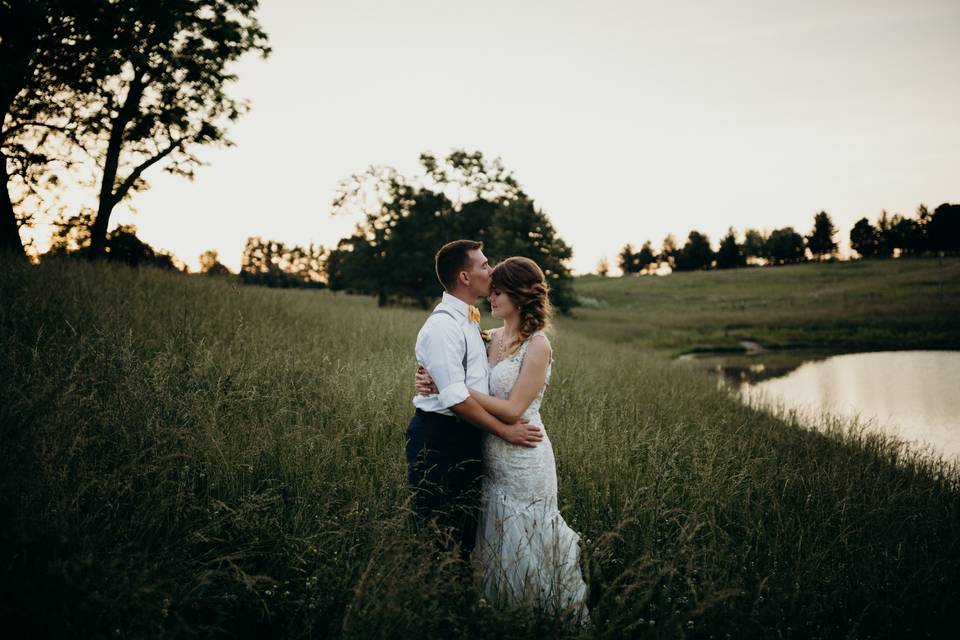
x=526, y=286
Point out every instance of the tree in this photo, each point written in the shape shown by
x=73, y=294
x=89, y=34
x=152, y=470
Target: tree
x=405, y=220
x=820, y=241
x=668, y=251
x=275, y=264
x=165, y=95
x=885, y=237
x=864, y=238
x=603, y=267
x=696, y=253
x=123, y=245
x=944, y=228
x=755, y=244
x=785, y=246
x=210, y=264
x=308, y=264
x=391, y=250
x=71, y=237
x=905, y=235
x=922, y=218
x=645, y=257
x=729, y=255
x=626, y=260
x=519, y=228
x=48, y=64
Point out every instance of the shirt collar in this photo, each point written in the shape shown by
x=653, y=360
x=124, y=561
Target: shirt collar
x=455, y=303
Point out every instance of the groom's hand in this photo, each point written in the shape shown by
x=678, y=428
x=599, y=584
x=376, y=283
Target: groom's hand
x=523, y=434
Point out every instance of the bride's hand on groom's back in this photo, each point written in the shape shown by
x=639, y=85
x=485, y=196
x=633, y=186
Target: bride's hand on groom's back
x=423, y=382
x=523, y=434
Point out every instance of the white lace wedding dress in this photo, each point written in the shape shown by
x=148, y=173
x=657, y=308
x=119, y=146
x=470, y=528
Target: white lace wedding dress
x=525, y=551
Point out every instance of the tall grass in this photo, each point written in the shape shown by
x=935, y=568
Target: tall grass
x=187, y=457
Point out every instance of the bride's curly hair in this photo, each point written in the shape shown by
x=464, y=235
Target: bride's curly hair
x=526, y=286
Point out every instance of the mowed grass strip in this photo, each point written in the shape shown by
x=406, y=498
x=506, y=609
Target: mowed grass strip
x=188, y=457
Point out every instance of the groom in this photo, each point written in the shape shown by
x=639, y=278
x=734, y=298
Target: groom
x=444, y=436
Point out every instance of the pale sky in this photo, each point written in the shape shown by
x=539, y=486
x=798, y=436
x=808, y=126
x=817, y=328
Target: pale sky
x=625, y=121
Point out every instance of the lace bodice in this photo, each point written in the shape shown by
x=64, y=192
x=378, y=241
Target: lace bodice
x=504, y=375
x=514, y=472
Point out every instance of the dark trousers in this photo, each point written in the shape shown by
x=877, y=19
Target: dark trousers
x=443, y=472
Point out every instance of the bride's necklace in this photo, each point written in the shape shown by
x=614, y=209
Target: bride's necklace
x=503, y=342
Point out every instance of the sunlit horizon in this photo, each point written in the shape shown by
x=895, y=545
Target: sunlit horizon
x=624, y=122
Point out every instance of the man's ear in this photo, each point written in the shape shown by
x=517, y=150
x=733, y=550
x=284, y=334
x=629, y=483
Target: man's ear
x=463, y=278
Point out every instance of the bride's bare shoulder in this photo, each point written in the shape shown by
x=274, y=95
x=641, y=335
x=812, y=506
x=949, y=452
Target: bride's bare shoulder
x=540, y=344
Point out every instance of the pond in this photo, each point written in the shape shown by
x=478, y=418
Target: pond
x=914, y=395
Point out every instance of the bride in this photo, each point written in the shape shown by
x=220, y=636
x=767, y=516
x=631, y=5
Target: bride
x=525, y=553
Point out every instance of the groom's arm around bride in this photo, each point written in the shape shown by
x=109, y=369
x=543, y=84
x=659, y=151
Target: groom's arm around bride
x=441, y=351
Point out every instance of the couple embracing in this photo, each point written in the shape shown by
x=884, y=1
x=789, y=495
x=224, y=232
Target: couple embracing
x=480, y=464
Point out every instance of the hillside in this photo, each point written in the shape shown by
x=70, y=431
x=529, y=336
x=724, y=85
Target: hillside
x=844, y=306
x=183, y=456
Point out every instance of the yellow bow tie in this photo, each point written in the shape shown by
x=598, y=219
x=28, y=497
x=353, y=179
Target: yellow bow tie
x=473, y=314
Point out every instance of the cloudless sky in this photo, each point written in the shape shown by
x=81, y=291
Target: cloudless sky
x=625, y=121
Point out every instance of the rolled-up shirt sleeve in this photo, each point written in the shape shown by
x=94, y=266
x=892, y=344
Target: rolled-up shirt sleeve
x=443, y=349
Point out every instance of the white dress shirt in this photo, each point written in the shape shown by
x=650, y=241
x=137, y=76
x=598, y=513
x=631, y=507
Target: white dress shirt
x=440, y=348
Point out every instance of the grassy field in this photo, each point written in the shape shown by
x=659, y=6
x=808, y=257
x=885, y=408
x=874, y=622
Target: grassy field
x=844, y=306
x=184, y=457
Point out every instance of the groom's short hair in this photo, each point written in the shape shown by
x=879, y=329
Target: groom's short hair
x=453, y=258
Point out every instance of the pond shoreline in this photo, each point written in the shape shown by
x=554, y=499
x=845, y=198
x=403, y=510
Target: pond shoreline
x=753, y=348
x=904, y=393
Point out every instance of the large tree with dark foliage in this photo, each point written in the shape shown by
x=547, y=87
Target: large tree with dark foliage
x=645, y=257
x=944, y=228
x=519, y=228
x=820, y=241
x=48, y=64
x=166, y=92
x=405, y=220
x=785, y=246
x=626, y=260
x=730, y=254
x=695, y=254
x=755, y=244
x=864, y=238
x=390, y=253
x=905, y=235
x=131, y=83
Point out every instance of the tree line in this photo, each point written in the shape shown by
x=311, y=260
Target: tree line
x=264, y=262
x=926, y=232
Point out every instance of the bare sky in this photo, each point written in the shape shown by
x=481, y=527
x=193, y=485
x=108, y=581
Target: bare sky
x=625, y=121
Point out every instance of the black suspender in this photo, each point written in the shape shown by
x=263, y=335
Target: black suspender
x=466, y=343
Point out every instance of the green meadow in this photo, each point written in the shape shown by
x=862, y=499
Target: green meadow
x=843, y=306
x=184, y=456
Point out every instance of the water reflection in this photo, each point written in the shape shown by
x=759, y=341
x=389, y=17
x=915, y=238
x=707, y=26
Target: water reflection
x=910, y=394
